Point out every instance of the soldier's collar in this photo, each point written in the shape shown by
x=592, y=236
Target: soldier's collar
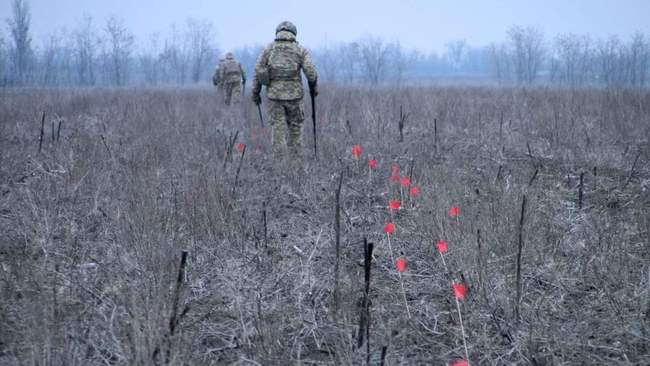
x=285, y=36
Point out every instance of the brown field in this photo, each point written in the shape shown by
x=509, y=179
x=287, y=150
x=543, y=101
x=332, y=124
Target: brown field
x=92, y=229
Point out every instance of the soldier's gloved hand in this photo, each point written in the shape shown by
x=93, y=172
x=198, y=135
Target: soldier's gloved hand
x=257, y=99
x=313, y=89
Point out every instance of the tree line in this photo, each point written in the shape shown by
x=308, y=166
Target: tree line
x=90, y=54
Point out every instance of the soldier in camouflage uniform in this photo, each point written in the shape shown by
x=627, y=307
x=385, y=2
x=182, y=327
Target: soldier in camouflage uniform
x=217, y=78
x=232, y=76
x=278, y=68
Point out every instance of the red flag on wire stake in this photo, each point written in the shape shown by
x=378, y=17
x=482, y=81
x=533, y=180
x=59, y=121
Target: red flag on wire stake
x=394, y=205
x=442, y=246
x=459, y=363
x=459, y=290
x=400, y=264
x=356, y=151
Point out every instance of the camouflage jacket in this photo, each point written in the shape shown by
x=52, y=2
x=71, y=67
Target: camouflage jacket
x=231, y=71
x=217, y=77
x=283, y=60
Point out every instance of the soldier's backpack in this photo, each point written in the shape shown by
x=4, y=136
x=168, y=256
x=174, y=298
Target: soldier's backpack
x=231, y=72
x=215, y=77
x=283, y=62
x=230, y=68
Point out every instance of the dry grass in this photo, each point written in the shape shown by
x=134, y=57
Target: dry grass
x=93, y=228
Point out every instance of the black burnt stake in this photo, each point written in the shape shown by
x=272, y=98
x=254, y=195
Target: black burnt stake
x=40, y=140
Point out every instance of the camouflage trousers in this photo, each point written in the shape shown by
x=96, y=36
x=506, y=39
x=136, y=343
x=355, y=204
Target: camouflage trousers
x=286, y=118
x=232, y=93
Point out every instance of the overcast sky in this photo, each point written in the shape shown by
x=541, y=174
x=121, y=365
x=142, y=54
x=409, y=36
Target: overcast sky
x=423, y=24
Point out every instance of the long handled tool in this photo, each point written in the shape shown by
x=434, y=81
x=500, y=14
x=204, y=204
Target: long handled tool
x=313, y=120
x=259, y=110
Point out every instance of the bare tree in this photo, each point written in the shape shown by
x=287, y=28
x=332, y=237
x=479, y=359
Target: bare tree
x=328, y=60
x=435, y=65
x=456, y=51
x=86, y=55
x=149, y=60
x=375, y=56
x=610, y=59
x=174, y=58
x=21, y=51
x=85, y=49
x=201, y=50
x=500, y=61
x=48, y=66
x=350, y=54
x=476, y=62
x=639, y=55
x=120, y=43
x=399, y=61
x=3, y=61
x=573, y=57
x=528, y=52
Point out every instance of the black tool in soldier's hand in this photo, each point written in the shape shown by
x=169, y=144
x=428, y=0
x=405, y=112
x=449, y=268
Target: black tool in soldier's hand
x=258, y=101
x=259, y=110
x=313, y=89
x=313, y=92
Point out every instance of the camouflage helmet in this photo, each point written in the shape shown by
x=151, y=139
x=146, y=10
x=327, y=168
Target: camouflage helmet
x=286, y=26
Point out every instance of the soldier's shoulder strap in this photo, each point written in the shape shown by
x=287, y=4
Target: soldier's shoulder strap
x=266, y=54
x=271, y=50
x=302, y=51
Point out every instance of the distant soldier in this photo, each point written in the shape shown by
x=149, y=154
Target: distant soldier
x=232, y=77
x=217, y=78
x=278, y=68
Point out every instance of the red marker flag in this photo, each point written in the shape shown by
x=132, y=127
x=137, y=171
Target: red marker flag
x=394, y=204
x=414, y=191
x=453, y=211
x=459, y=363
x=372, y=163
x=406, y=181
x=240, y=147
x=389, y=228
x=356, y=151
x=442, y=246
x=459, y=290
x=400, y=264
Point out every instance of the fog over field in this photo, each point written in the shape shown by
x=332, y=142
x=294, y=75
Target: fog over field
x=70, y=42
x=417, y=24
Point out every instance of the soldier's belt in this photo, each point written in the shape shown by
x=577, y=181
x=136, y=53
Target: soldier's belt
x=285, y=78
